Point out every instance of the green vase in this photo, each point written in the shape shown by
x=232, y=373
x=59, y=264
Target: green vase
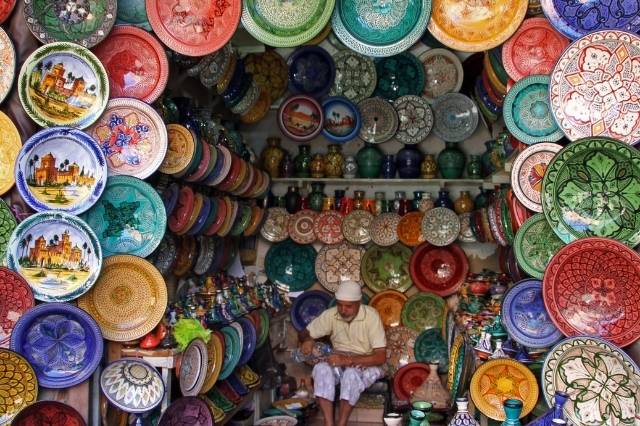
x=316, y=196
x=474, y=168
x=369, y=161
x=451, y=161
x=302, y=161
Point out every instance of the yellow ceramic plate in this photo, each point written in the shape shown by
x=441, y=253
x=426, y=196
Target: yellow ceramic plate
x=214, y=362
x=10, y=145
x=500, y=379
x=128, y=300
x=474, y=26
x=232, y=211
x=182, y=146
x=19, y=385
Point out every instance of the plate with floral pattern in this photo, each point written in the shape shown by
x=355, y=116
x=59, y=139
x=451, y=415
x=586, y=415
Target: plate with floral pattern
x=8, y=61
x=455, y=117
x=276, y=225
x=300, y=226
x=443, y=73
x=355, y=227
x=193, y=368
x=328, y=227
x=423, y=311
x=400, y=341
x=528, y=171
x=379, y=120
x=269, y=71
x=415, y=119
x=384, y=268
x=18, y=371
x=384, y=229
x=356, y=76
x=440, y=226
x=338, y=262
x=535, y=244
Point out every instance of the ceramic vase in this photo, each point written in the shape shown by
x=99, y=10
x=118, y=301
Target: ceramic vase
x=303, y=161
x=349, y=167
x=451, y=161
x=512, y=410
x=317, y=166
x=333, y=162
x=417, y=197
x=462, y=416
x=408, y=162
x=292, y=199
x=369, y=160
x=328, y=203
x=358, y=200
x=287, y=166
x=388, y=166
x=272, y=155
x=339, y=194
x=426, y=203
x=428, y=167
x=485, y=159
x=474, y=167
x=316, y=196
x=443, y=199
x=398, y=201
x=464, y=203
x=481, y=199
x=554, y=413
x=380, y=203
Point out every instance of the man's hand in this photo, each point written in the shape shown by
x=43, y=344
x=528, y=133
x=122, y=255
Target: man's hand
x=307, y=347
x=339, y=360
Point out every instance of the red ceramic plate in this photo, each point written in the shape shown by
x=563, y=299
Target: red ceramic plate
x=17, y=299
x=328, y=227
x=6, y=7
x=439, y=270
x=300, y=118
x=221, y=214
x=408, y=379
x=136, y=63
x=203, y=166
x=184, y=209
x=519, y=213
x=49, y=413
x=194, y=27
x=590, y=288
x=232, y=176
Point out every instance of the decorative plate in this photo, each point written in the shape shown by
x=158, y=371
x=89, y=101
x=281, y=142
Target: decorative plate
x=455, y=117
x=132, y=385
x=300, y=118
x=535, y=245
x=399, y=75
x=533, y=49
x=440, y=226
x=194, y=28
x=291, y=264
x=603, y=383
x=57, y=253
x=415, y=119
x=591, y=188
x=63, y=84
x=61, y=169
x=277, y=421
x=6, y=7
x=527, y=113
x=180, y=150
x=476, y=26
x=338, y=262
x=409, y=378
x=355, y=77
x=498, y=380
x=379, y=120
x=193, y=368
x=62, y=343
x=439, y=270
x=249, y=339
x=232, y=351
x=341, y=119
x=527, y=172
x=355, y=227
x=585, y=297
x=129, y=299
x=380, y=30
x=525, y=317
x=588, y=16
x=183, y=211
x=384, y=229
x=307, y=307
x=285, y=24
x=423, y=311
x=187, y=410
x=215, y=355
x=328, y=227
x=443, y=73
x=8, y=61
x=400, y=342
x=384, y=268
x=85, y=23
x=52, y=413
x=430, y=348
x=495, y=225
x=311, y=71
x=389, y=305
x=269, y=71
x=17, y=298
x=9, y=150
x=263, y=334
x=129, y=218
x=410, y=229
x=17, y=371
x=602, y=60
x=456, y=365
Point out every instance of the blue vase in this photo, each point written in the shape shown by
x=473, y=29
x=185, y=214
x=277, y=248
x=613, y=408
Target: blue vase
x=388, y=167
x=408, y=162
x=554, y=413
x=444, y=200
x=512, y=410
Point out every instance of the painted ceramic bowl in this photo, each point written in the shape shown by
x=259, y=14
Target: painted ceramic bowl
x=300, y=118
x=132, y=385
x=341, y=119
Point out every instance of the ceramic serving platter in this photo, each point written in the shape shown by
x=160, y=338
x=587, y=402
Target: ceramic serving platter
x=440, y=226
x=528, y=171
x=291, y=264
x=8, y=61
x=18, y=299
x=384, y=268
x=48, y=412
x=443, y=73
x=535, y=244
x=132, y=385
x=455, y=117
x=341, y=119
x=439, y=270
x=355, y=227
x=415, y=119
x=356, y=76
x=423, y=311
x=9, y=151
x=308, y=306
x=338, y=262
x=15, y=369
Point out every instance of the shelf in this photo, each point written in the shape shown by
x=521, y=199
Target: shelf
x=388, y=182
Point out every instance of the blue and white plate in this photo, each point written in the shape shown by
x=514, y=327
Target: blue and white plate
x=307, y=307
x=132, y=385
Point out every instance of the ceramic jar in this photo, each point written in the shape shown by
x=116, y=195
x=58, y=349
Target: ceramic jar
x=512, y=409
x=417, y=197
x=398, y=201
x=428, y=167
x=272, y=156
x=416, y=418
x=426, y=203
x=316, y=196
x=287, y=166
x=333, y=162
x=358, y=200
x=328, y=203
x=408, y=162
x=425, y=407
x=339, y=195
x=292, y=199
x=317, y=166
x=444, y=200
x=388, y=166
x=482, y=199
x=474, y=167
x=451, y=161
x=349, y=167
x=464, y=203
x=380, y=203
x=303, y=161
x=462, y=417
x=369, y=160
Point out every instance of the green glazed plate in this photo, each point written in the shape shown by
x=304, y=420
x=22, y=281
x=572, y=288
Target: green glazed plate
x=220, y=401
x=133, y=12
x=535, y=245
x=242, y=220
x=424, y=311
x=386, y=268
x=285, y=23
x=431, y=348
x=399, y=75
x=291, y=264
x=264, y=327
x=232, y=350
x=129, y=218
x=7, y=225
x=591, y=188
x=505, y=218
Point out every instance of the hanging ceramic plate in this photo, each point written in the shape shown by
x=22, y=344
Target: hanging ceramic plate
x=263, y=335
x=384, y=229
x=63, y=84
x=128, y=300
x=355, y=227
x=132, y=385
x=129, y=218
x=356, y=76
x=8, y=61
x=611, y=378
x=300, y=226
x=533, y=49
x=591, y=188
x=525, y=316
x=456, y=365
x=328, y=227
x=133, y=12
x=430, y=348
x=442, y=73
x=341, y=119
x=135, y=62
x=379, y=120
x=57, y=253
x=455, y=117
x=588, y=16
x=584, y=298
x=17, y=371
x=194, y=28
x=380, y=29
x=52, y=413
x=308, y=306
x=384, y=268
x=400, y=341
x=423, y=311
x=409, y=378
x=291, y=264
x=17, y=299
x=188, y=407
x=410, y=229
x=232, y=351
x=535, y=245
x=269, y=71
x=6, y=7
x=193, y=368
x=602, y=60
x=215, y=353
x=300, y=118
x=527, y=113
x=439, y=270
x=440, y=226
x=338, y=262
x=389, y=305
x=311, y=71
x=528, y=171
x=399, y=75
x=62, y=343
x=85, y=23
x=9, y=150
x=475, y=26
x=249, y=339
x=415, y=119
x=181, y=149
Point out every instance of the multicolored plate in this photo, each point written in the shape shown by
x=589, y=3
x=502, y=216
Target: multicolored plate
x=528, y=171
x=338, y=262
x=384, y=229
x=181, y=149
x=355, y=227
x=328, y=227
x=16, y=370
x=400, y=341
x=300, y=226
x=399, y=75
x=17, y=299
x=9, y=150
x=269, y=71
x=440, y=226
x=132, y=385
x=410, y=229
x=439, y=270
x=455, y=117
x=389, y=305
x=384, y=268
x=300, y=118
x=409, y=378
x=63, y=84
x=415, y=119
x=341, y=119
x=193, y=368
x=232, y=351
x=291, y=264
x=535, y=244
x=8, y=61
x=52, y=413
x=443, y=73
x=308, y=306
x=215, y=353
x=276, y=225
x=356, y=76
x=379, y=120
x=423, y=311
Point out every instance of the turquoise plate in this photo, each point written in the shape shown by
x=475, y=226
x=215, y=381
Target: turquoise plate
x=430, y=347
x=129, y=218
x=291, y=264
x=232, y=351
x=399, y=75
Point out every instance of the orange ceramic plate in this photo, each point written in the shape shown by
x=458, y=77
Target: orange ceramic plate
x=410, y=229
x=474, y=26
x=389, y=305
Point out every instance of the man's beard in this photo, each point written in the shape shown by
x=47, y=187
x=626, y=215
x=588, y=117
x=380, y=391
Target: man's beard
x=347, y=318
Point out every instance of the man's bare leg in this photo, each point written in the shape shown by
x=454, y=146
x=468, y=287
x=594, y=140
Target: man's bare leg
x=344, y=413
x=326, y=407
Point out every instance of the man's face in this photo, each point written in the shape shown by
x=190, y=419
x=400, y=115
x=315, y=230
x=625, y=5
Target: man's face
x=348, y=310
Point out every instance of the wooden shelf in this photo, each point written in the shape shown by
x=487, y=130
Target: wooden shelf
x=392, y=182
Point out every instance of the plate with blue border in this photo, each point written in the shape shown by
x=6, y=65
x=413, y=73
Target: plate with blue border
x=341, y=119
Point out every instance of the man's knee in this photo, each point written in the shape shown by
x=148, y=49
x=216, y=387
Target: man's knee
x=350, y=375
x=322, y=369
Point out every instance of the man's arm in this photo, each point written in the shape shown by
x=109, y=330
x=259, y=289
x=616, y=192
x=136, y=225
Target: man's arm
x=377, y=357
x=306, y=342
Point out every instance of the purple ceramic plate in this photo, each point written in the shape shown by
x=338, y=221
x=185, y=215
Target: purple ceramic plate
x=307, y=307
x=311, y=71
x=249, y=338
x=187, y=411
x=202, y=216
x=170, y=198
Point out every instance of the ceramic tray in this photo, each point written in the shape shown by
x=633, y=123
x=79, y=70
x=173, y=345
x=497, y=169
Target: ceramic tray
x=132, y=385
x=430, y=348
x=355, y=226
x=384, y=229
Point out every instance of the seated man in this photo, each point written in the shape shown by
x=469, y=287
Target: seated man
x=359, y=350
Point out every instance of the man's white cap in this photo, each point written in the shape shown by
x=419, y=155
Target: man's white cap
x=349, y=291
